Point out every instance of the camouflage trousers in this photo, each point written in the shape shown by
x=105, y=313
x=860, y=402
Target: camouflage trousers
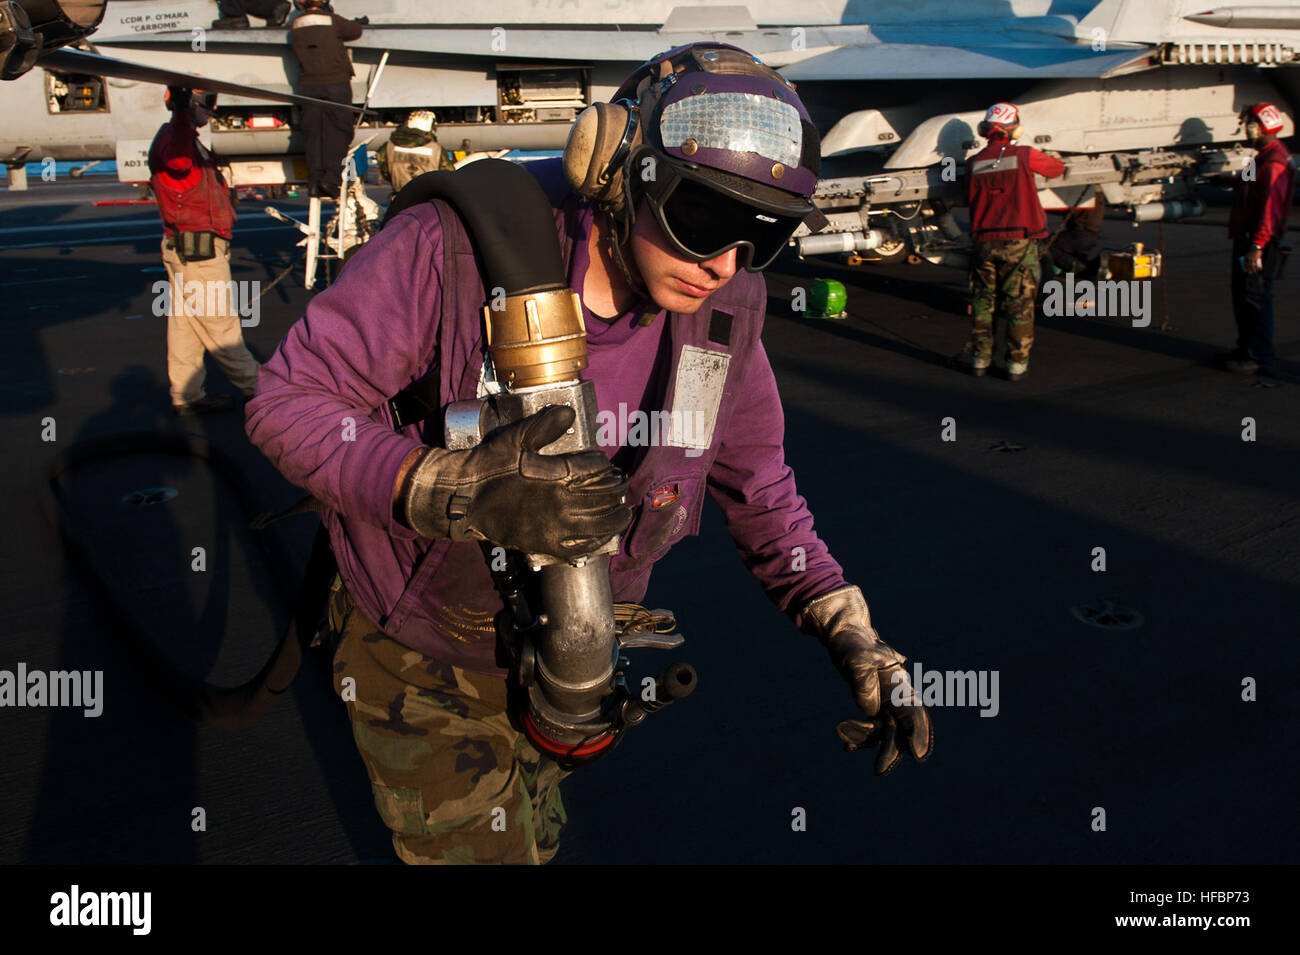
x=453, y=779
x=1004, y=283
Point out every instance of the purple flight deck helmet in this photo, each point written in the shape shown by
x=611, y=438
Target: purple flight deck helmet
x=728, y=156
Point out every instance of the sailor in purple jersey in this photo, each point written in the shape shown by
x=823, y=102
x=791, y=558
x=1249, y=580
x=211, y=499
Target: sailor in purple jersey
x=667, y=268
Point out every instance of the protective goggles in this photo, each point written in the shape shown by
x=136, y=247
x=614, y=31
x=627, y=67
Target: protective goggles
x=204, y=99
x=702, y=222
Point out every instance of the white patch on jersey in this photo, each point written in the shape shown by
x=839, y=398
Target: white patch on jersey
x=701, y=375
x=999, y=164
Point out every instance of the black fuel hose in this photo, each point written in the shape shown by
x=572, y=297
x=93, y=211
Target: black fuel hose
x=507, y=214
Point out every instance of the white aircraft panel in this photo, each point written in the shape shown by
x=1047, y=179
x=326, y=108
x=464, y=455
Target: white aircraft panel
x=133, y=160
x=416, y=86
x=124, y=16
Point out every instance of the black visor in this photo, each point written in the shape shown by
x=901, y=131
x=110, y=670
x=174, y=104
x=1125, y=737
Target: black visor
x=702, y=222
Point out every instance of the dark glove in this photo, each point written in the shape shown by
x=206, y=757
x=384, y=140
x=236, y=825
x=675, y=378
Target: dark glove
x=505, y=492
x=178, y=97
x=877, y=677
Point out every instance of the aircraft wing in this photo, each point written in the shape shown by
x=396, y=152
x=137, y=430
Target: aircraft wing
x=817, y=53
x=79, y=61
x=605, y=44
x=914, y=61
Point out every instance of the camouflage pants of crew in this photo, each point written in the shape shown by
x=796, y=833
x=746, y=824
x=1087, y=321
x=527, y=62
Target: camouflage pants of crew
x=1004, y=282
x=452, y=777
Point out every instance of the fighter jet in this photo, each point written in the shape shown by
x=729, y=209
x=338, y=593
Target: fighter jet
x=1140, y=99
x=55, y=72
x=1140, y=96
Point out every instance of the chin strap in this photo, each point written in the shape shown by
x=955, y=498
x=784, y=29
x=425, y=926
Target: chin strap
x=617, y=237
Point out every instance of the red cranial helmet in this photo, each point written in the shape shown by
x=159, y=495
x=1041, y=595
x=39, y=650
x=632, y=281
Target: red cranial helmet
x=1001, y=118
x=1267, y=115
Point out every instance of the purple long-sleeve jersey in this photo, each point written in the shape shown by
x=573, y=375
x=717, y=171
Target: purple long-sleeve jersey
x=320, y=416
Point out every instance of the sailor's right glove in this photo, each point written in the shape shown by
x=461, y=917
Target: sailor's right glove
x=876, y=676
x=506, y=492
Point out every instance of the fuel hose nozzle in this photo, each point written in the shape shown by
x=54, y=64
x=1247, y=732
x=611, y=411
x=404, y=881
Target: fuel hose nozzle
x=561, y=640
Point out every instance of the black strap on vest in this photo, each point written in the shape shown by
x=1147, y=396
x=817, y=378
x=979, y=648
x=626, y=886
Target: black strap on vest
x=720, y=327
x=416, y=401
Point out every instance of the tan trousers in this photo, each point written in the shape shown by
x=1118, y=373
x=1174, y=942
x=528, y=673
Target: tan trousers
x=204, y=319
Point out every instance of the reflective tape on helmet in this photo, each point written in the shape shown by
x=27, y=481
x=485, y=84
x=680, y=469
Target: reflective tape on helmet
x=738, y=122
x=421, y=119
x=1003, y=114
x=1269, y=116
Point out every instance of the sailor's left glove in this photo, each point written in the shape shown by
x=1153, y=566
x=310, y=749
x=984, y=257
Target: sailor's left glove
x=876, y=676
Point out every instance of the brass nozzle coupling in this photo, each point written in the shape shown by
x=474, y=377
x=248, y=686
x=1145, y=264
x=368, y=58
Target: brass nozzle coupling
x=537, y=338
